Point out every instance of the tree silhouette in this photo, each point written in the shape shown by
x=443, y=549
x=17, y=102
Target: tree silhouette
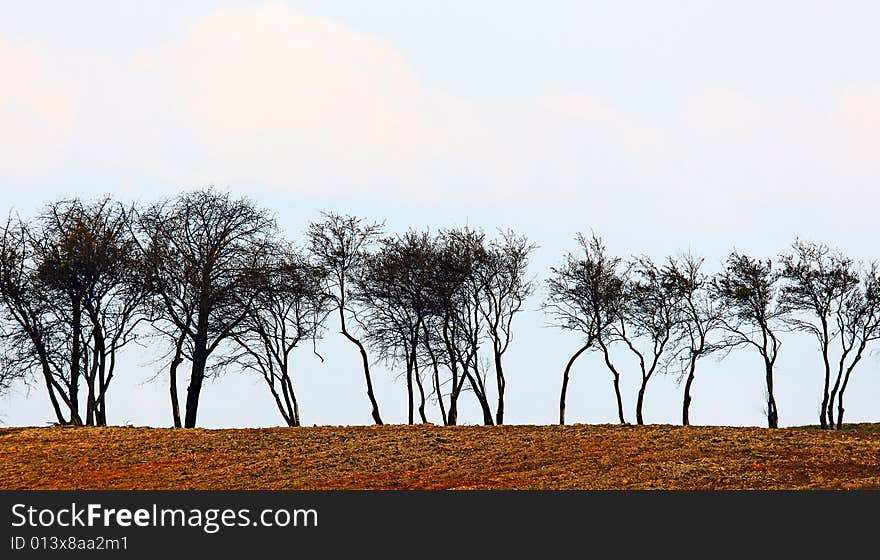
x=290, y=311
x=586, y=295
x=819, y=285
x=340, y=245
x=202, y=252
x=505, y=288
x=394, y=292
x=71, y=302
x=752, y=313
x=699, y=319
x=218, y=285
x=652, y=310
x=858, y=322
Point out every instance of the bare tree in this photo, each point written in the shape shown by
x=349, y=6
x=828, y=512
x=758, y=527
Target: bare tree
x=341, y=244
x=699, y=318
x=394, y=291
x=460, y=292
x=67, y=285
x=449, y=328
x=747, y=291
x=858, y=322
x=34, y=337
x=113, y=302
x=289, y=312
x=585, y=295
x=819, y=284
x=61, y=244
x=201, y=253
x=505, y=288
x=651, y=311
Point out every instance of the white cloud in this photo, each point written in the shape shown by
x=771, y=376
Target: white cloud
x=269, y=97
x=273, y=96
x=855, y=120
x=37, y=112
x=722, y=114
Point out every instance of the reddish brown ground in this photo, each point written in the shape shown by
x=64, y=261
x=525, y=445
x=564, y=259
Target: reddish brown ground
x=570, y=457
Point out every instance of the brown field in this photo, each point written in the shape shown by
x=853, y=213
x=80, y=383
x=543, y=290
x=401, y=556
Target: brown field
x=433, y=457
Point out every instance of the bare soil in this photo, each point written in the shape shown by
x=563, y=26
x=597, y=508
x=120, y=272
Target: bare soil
x=434, y=457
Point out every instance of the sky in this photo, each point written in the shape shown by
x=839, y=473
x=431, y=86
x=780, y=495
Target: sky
x=661, y=126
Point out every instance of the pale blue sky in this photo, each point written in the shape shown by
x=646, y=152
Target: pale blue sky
x=663, y=126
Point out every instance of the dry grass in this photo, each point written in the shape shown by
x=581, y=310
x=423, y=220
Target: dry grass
x=432, y=457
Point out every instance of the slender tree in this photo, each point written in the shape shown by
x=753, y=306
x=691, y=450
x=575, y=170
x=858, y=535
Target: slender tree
x=585, y=295
x=289, y=312
x=341, y=245
x=201, y=254
x=651, y=311
x=747, y=291
x=464, y=254
x=819, y=284
x=62, y=243
x=114, y=302
x=394, y=292
x=34, y=335
x=67, y=285
x=505, y=288
x=858, y=322
x=453, y=332
x=699, y=319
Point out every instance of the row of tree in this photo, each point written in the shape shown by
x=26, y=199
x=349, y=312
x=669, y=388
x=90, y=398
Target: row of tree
x=671, y=315
x=209, y=279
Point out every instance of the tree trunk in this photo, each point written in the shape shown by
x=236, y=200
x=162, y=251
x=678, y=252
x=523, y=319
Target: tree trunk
x=849, y=370
x=640, y=401
x=90, y=387
x=452, y=416
x=772, y=414
x=199, y=362
x=457, y=383
x=105, y=375
x=487, y=412
x=565, y=377
x=823, y=419
x=284, y=408
x=377, y=419
x=47, y=377
x=296, y=419
x=194, y=390
x=96, y=374
x=175, y=362
x=421, y=397
x=100, y=420
x=831, y=398
x=616, y=377
x=440, y=402
x=480, y=393
x=499, y=377
x=290, y=408
x=437, y=389
x=686, y=402
x=619, y=398
x=409, y=393
x=75, y=357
